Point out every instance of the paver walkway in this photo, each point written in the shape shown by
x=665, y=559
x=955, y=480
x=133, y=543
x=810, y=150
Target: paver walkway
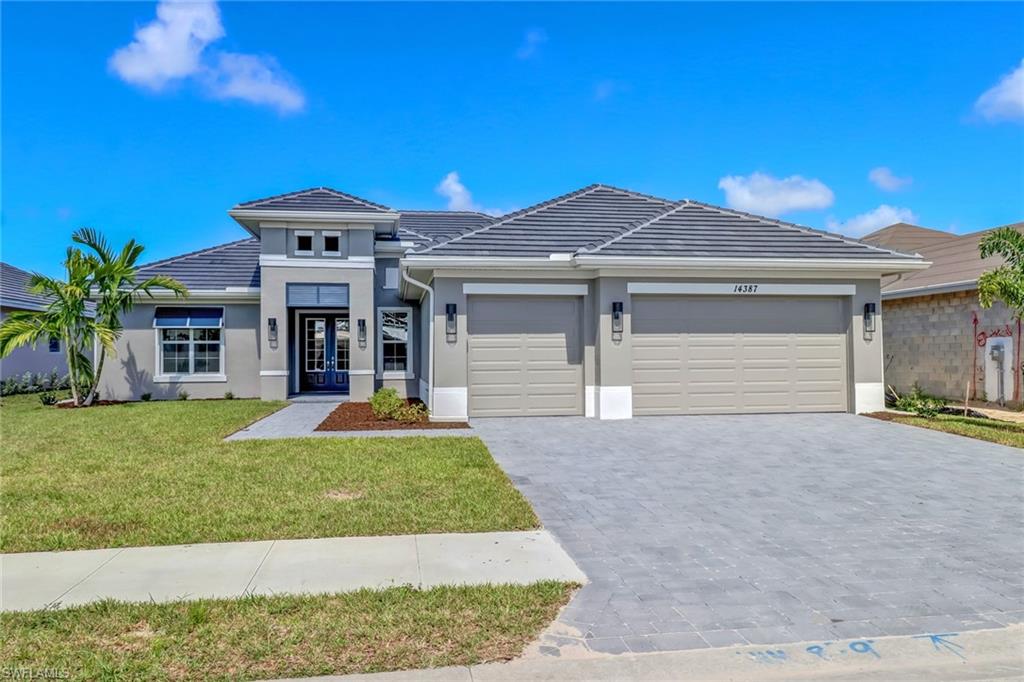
x=38, y=579
x=721, y=530
x=300, y=419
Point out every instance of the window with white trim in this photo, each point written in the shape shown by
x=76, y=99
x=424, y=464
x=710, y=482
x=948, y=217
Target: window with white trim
x=303, y=243
x=190, y=341
x=394, y=341
x=332, y=244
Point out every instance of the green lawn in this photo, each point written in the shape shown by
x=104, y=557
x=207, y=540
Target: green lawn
x=159, y=473
x=992, y=430
x=264, y=637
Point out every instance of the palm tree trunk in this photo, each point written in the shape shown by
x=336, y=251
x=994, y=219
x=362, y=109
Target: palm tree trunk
x=72, y=369
x=95, y=388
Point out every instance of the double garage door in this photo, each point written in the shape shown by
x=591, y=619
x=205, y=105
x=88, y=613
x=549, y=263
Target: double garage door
x=690, y=355
x=715, y=354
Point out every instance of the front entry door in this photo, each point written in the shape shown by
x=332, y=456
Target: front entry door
x=323, y=351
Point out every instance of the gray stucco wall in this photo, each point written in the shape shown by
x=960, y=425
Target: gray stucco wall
x=133, y=370
x=279, y=241
x=38, y=360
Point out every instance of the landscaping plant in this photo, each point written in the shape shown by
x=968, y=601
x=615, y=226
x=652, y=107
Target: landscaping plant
x=917, y=402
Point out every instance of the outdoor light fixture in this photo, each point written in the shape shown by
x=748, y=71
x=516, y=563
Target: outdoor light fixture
x=451, y=325
x=617, y=320
x=361, y=334
x=869, y=318
x=272, y=329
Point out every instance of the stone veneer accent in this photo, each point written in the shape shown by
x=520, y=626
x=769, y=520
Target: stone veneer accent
x=929, y=340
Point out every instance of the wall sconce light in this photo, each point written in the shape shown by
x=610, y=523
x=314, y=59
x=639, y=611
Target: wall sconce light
x=451, y=321
x=272, y=330
x=361, y=333
x=617, y=320
x=869, y=318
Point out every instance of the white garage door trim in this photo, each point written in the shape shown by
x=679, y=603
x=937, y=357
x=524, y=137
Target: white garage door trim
x=741, y=289
x=517, y=289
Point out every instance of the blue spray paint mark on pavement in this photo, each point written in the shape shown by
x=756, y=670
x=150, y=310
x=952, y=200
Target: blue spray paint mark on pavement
x=940, y=642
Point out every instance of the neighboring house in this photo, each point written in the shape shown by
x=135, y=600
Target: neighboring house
x=48, y=355
x=937, y=336
x=602, y=302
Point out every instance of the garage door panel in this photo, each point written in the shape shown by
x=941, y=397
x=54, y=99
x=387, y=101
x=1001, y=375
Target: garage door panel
x=525, y=356
x=705, y=355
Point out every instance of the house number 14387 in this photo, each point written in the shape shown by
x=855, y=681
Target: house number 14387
x=745, y=289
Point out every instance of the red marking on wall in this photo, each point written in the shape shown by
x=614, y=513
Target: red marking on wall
x=995, y=332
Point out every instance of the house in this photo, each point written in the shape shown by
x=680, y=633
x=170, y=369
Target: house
x=602, y=302
x=46, y=357
x=937, y=336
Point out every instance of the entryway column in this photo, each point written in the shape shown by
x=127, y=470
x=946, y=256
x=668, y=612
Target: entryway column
x=613, y=394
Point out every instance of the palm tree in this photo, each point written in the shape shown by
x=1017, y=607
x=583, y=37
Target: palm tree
x=1006, y=282
x=115, y=289
x=66, y=318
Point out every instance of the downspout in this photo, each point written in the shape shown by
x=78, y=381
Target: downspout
x=430, y=348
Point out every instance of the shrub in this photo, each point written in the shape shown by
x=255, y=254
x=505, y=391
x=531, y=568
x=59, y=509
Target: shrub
x=411, y=413
x=48, y=398
x=386, y=403
x=146, y=397
x=918, y=402
x=182, y=395
x=33, y=383
x=229, y=395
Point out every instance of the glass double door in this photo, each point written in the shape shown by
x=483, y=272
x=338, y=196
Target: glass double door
x=323, y=351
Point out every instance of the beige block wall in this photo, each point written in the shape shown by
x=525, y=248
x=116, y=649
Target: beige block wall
x=930, y=341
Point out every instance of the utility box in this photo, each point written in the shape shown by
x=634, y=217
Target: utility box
x=999, y=362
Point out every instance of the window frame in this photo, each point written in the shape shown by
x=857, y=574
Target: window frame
x=161, y=377
x=312, y=244
x=331, y=233
x=54, y=344
x=410, y=368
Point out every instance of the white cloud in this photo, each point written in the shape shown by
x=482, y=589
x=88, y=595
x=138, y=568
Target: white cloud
x=460, y=198
x=767, y=195
x=1005, y=99
x=532, y=41
x=173, y=48
x=886, y=180
x=875, y=219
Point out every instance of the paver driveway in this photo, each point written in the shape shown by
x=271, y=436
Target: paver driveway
x=718, y=530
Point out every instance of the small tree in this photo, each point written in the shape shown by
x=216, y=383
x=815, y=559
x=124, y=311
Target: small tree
x=65, y=317
x=1006, y=282
x=103, y=274
x=114, y=287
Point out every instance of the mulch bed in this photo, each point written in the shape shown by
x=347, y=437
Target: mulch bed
x=359, y=417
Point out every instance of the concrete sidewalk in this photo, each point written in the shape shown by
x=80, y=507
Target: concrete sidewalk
x=39, y=579
x=977, y=655
x=300, y=419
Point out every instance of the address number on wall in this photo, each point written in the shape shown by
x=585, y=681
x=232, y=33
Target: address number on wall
x=744, y=289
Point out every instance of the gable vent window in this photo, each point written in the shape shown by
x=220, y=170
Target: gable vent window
x=190, y=341
x=332, y=244
x=303, y=243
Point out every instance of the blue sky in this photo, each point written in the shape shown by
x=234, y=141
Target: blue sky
x=782, y=109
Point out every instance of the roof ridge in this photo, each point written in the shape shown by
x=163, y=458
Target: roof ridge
x=414, y=233
x=442, y=212
x=638, y=225
x=516, y=214
x=642, y=195
x=801, y=228
x=323, y=188
x=190, y=254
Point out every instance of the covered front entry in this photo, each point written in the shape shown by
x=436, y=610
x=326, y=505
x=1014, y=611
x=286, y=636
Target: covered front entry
x=525, y=356
x=718, y=354
x=323, y=351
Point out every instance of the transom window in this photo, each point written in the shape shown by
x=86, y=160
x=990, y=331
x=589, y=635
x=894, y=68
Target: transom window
x=394, y=340
x=189, y=340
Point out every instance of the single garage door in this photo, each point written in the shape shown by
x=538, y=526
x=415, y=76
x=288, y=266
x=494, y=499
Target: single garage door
x=525, y=356
x=718, y=354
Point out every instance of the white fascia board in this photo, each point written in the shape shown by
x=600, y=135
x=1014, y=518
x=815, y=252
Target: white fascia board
x=227, y=294
x=524, y=289
x=865, y=265
x=489, y=262
x=931, y=290
x=353, y=263
x=749, y=289
x=393, y=247
x=329, y=217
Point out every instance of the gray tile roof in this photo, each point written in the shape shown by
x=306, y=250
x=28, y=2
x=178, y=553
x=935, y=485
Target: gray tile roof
x=565, y=224
x=235, y=264
x=695, y=230
x=436, y=226
x=14, y=291
x=314, y=199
